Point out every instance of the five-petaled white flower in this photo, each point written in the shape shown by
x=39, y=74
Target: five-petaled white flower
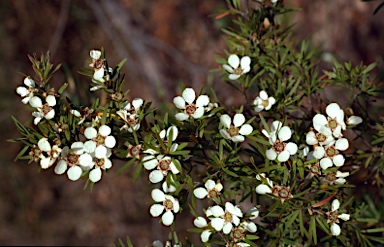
x=334, y=216
x=169, y=204
x=335, y=178
x=211, y=190
x=26, y=93
x=186, y=102
x=224, y=219
x=329, y=155
x=237, y=66
x=53, y=153
x=238, y=130
x=263, y=102
x=101, y=139
x=277, y=137
x=163, y=163
x=333, y=124
x=43, y=111
x=130, y=113
x=77, y=160
x=100, y=164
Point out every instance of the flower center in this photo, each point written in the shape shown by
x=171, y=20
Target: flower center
x=279, y=146
x=233, y=131
x=213, y=193
x=330, y=151
x=283, y=193
x=99, y=140
x=332, y=216
x=72, y=159
x=237, y=234
x=227, y=217
x=238, y=71
x=98, y=64
x=46, y=109
x=99, y=162
x=164, y=165
x=330, y=176
x=135, y=151
x=131, y=120
x=315, y=169
x=168, y=204
x=190, y=109
x=321, y=137
x=332, y=123
x=265, y=102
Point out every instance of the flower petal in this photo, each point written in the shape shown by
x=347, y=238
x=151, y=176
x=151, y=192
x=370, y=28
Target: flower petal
x=44, y=145
x=233, y=76
x=157, y=195
x=156, y=176
x=263, y=189
x=198, y=113
x=344, y=217
x=90, y=133
x=189, y=95
x=202, y=100
x=238, y=120
x=319, y=121
x=263, y=95
x=228, y=68
x=234, y=61
x=217, y=211
x=283, y=156
x=335, y=205
x=200, y=193
x=101, y=152
x=61, y=167
x=338, y=160
x=342, y=144
x=335, y=229
x=105, y=130
x=326, y=163
x=150, y=162
x=205, y=235
x=291, y=148
x=137, y=103
x=51, y=100
x=210, y=184
x=167, y=218
x=354, y=120
x=200, y=222
x=181, y=116
x=332, y=110
x=246, y=129
x=217, y=223
x=35, y=102
x=225, y=120
x=110, y=141
x=238, y=138
x=285, y=133
x=74, y=173
x=156, y=209
x=245, y=62
x=29, y=82
x=179, y=102
x=271, y=154
x=95, y=175
x=227, y=228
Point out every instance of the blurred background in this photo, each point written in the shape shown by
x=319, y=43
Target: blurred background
x=167, y=42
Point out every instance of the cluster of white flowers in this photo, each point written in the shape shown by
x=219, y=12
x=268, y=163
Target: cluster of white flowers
x=130, y=113
x=327, y=138
x=277, y=136
x=92, y=155
x=192, y=107
x=52, y=153
x=228, y=221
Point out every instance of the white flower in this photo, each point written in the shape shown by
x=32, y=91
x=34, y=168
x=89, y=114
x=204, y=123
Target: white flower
x=237, y=66
x=170, y=135
x=76, y=159
x=98, y=65
x=334, y=123
x=263, y=102
x=313, y=138
x=329, y=155
x=334, y=216
x=169, y=204
x=161, y=162
x=224, y=220
x=277, y=137
x=186, y=102
x=26, y=93
x=52, y=152
x=101, y=140
x=211, y=190
x=100, y=164
x=335, y=178
x=130, y=113
x=238, y=130
x=43, y=111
